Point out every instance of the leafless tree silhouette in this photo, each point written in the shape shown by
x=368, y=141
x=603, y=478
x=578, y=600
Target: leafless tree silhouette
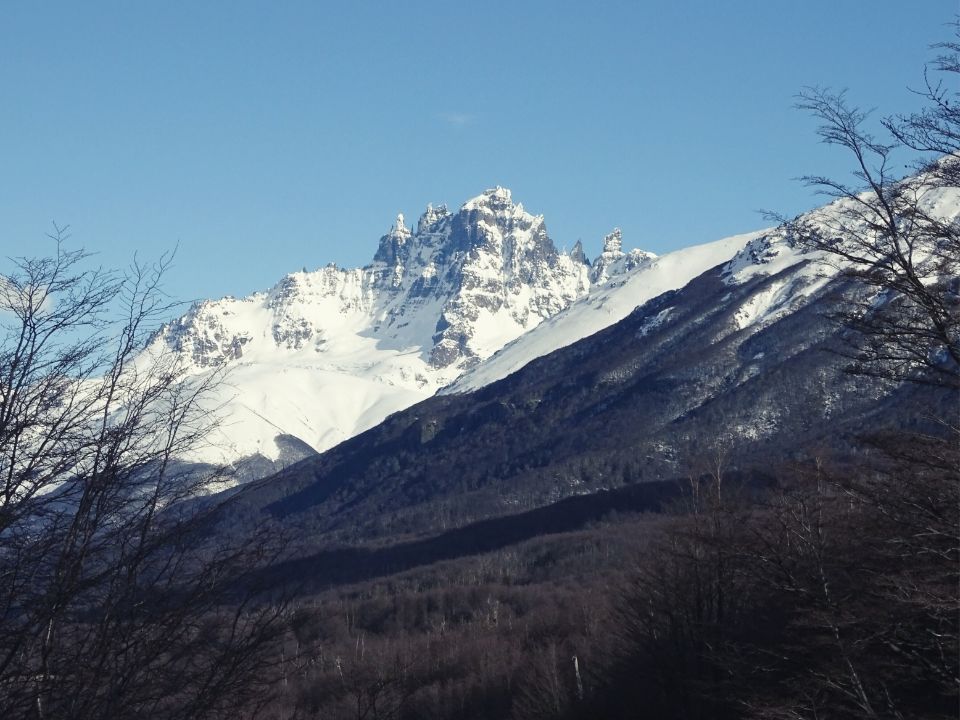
x=114, y=600
x=888, y=236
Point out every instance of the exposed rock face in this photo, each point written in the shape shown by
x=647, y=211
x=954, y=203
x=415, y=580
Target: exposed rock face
x=577, y=254
x=613, y=261
x=202, y=337
x=500, y=276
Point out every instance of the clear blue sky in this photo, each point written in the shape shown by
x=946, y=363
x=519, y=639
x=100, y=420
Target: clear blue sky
x=267, y=136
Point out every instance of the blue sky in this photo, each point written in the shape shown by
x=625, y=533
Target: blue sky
x=263, y=137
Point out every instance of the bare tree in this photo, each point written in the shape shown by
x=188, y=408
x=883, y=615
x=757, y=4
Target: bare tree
x=114, y=600
x=936, y=128
x=868, y=556
x=890, y=235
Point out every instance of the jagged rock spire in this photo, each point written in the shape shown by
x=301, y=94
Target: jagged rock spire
x=578, y=255
x=613, y=261
x=399, y=228
x=613, y=243
x=392, y=243
x=431, y=217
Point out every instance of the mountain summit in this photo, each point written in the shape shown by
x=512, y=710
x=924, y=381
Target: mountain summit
x=490, y=270
x=328, y=353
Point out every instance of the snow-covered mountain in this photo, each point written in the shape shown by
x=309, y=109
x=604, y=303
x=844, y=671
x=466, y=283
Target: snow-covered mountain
x=724, y=348
x=326, y=354
x=462, y=300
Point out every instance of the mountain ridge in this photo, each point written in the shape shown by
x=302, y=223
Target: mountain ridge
x=464, y=300
x=325, y=354
x=742, y=365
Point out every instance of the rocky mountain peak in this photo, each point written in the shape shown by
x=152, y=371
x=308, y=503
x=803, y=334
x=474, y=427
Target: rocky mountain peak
x=492, y=221
x=437, y=299
x=431, y=218
x=613, y=261
x=578, y=255
x=505, y=276
x=392, y=243
x=613, y=243
x=399, y=229
x=458, y=287
x=497, y=198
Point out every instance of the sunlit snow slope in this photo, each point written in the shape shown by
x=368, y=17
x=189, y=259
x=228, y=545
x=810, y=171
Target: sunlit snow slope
x=605, y=305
